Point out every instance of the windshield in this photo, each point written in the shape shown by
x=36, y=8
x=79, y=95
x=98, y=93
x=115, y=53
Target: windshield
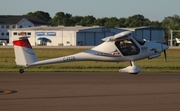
x=141, y=42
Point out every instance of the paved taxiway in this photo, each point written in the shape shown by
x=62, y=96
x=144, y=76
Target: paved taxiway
x=86, y=91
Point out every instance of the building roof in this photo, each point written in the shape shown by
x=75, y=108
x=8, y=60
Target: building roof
x=11, y=19
x=67, y=28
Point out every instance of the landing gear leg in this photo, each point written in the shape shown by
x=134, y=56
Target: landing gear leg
x=21, y=70
x=132, y=63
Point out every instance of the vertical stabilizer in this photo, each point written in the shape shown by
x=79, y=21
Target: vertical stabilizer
x=24, y=54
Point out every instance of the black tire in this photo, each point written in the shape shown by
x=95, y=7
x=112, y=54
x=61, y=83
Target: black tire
x=21, y=71
x=134, y=73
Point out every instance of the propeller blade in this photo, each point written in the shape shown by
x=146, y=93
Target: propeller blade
x=164, y=48
x=165, y=56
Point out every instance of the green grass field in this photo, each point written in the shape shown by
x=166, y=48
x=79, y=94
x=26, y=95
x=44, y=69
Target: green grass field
x=7, y=62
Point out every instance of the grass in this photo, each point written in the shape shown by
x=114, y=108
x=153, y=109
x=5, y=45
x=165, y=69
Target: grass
x=7, y=63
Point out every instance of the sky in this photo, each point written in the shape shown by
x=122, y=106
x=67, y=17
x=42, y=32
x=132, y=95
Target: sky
x=154, y=10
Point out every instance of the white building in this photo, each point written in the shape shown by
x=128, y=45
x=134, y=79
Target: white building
x=8, y=22
x=64, y=36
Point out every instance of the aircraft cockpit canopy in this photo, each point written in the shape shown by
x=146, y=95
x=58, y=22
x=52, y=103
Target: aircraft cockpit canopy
x=127, y=46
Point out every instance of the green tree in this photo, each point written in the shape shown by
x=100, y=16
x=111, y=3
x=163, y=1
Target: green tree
x=62, y=18
x=121, y=22
x=87, y=21
x=100, y=21
x=112, y=22
x=41, y=15
x=137, y=21
x=171, y=22
x=76, y=20
x=156, y=24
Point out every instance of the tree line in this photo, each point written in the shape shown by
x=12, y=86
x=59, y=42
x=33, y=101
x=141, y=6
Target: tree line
x=66, y=19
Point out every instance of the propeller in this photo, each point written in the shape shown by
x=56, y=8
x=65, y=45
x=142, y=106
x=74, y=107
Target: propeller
x=164, y=48
x=165, y=56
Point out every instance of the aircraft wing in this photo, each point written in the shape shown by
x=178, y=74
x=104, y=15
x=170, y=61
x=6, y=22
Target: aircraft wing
x=106, y=39
x=117, y=36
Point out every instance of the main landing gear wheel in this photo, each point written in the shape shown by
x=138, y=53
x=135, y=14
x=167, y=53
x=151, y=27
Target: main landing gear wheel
x=134, y=73
x=21, y=71
x=132, y=69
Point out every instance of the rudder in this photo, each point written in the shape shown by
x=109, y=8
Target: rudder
x=24, y=53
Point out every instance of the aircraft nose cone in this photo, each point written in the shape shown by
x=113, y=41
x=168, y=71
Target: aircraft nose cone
x=165, y=47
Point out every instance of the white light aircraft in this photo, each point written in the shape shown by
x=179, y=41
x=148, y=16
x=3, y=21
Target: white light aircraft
x=177, y=41
x=120, y=47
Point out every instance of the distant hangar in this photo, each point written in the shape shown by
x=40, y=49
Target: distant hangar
x=79, y=35
x=64, y=36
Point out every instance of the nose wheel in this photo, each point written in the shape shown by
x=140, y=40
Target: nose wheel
x=21, y=70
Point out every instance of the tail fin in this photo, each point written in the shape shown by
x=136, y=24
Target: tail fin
x=24, y=54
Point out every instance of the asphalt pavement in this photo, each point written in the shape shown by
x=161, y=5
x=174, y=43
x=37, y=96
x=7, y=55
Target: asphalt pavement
x=89, y=91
